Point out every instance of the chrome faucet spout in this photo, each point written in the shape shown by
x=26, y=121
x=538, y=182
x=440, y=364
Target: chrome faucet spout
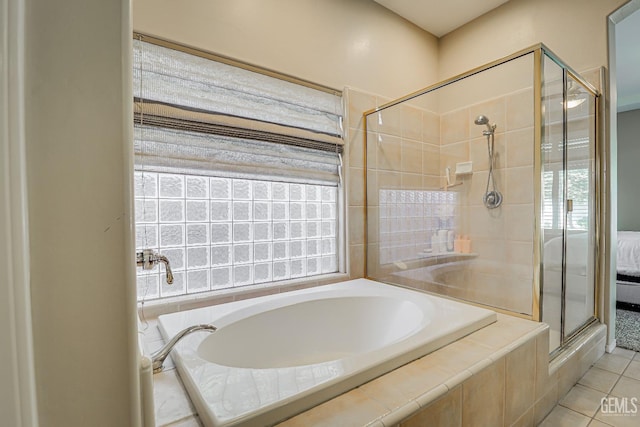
x=147, y=259
x=169, y=274
x=157, y=358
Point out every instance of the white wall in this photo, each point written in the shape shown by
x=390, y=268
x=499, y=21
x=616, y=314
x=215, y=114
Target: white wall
x=575, y=30
x=77, y=176
x=628, y=171
x=332, y=42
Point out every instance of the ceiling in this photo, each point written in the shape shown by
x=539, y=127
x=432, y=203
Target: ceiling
x=441, y=17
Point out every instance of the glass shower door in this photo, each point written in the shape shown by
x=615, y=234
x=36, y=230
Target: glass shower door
x=580, y=207
x=552, y=215
x=568, y=172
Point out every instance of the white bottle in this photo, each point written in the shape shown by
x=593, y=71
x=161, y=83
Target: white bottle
x=450, y=238
x=435, y=242
x=442, y=240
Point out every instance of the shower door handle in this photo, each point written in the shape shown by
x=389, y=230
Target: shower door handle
x=569, y=205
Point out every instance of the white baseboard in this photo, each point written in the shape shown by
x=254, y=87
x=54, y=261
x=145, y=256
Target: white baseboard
x=611, y=346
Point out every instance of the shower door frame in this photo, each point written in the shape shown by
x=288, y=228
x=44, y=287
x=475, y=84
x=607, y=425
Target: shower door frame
x=568, y=72
x=539, y=51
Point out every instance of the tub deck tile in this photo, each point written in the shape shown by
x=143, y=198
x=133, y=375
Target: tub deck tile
x=353, y=408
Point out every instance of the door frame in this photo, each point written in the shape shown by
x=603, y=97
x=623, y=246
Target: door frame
x=17, y=369
x=610, y=177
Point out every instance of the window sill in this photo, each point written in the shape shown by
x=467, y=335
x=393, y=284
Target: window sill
x=153, y=309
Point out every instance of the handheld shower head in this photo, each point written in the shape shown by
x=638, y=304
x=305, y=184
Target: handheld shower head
x=484, y=120
x=481, y=120
x=492, y=199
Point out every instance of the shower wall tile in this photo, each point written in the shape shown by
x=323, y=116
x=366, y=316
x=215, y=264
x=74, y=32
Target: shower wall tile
x=355, y=147
x=373, y=139
x=519, y=110
x=356, y=261
x=451, y=154
x=431, y=127
x=411, y=181
x=387, y=179
x=356, y=187
x=519, y=222
x=372, y=187
x=479, y=152
x=454, y=126
x=486, y=223
x=519, y=148
x=356, y=224
x=519, y=254
x=389, y=121
x=430, y=159
x=411, y=156
x=389, y=153
x=373, y=224
x=411, y=120
x=519, y=185
x=431, y=181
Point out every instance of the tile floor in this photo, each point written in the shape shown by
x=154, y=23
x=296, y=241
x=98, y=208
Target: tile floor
x=614, y=377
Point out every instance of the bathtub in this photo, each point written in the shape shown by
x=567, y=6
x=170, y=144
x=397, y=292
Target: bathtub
x=275, y=356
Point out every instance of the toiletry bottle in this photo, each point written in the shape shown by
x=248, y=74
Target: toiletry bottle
x=466, y=245
x=450, y=240
x=435, y=242
x=457, y=244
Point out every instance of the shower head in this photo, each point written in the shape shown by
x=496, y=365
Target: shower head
x=481, y=120
x=484, y=120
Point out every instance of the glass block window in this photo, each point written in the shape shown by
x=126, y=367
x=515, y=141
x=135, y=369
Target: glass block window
x=221, y=233
x=410, y=221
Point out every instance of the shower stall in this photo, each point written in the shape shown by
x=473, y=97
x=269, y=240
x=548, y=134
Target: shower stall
x=485, y=188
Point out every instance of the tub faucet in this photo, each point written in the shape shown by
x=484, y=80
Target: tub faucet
x=157, y=358
x=147, y=259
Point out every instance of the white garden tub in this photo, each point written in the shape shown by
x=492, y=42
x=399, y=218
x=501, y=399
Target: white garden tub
x=275, y=356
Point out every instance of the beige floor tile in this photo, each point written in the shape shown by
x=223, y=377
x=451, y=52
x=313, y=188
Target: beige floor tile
x=584, y=400
x=612, y=363
x=596, y=423
x=624, y=352
x=619, y=420
x=633, y=370
x=599, y=379
x=563, y=417
x=627, y=387
x=637, y=356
